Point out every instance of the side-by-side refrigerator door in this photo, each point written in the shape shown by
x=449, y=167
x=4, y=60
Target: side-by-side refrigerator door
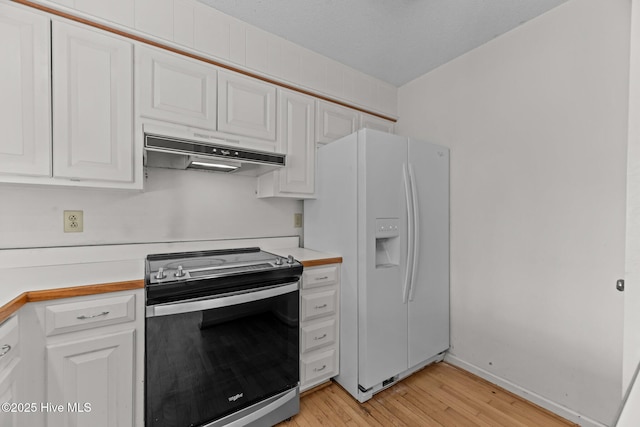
x=382, y=247
x=429, y=292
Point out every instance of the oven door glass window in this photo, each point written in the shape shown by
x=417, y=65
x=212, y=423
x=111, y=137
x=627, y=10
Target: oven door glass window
x=204, y=365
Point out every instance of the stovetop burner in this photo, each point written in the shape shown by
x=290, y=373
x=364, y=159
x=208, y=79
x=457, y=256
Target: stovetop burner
x=188, y=275
x=181, y=266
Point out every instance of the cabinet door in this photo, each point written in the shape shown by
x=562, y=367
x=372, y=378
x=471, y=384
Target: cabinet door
x=297, y=140
x=92, y=105
x=96, y=371
x=334, y=121
x=246, y=106
x=368, y=121
x=9, y=379
x=175, y=89
x=25, y=108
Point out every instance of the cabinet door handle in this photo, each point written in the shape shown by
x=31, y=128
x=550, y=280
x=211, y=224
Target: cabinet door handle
x=317, y=307
x=322, y=278
x=323, y=336
x=83, y=317
x=320, y=369
x=4, y=350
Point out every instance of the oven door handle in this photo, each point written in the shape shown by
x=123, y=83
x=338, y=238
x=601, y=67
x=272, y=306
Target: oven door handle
x=219, y=302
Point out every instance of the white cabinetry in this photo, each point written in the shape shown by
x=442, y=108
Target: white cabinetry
x=319, y=325
x=175, y=89
x=92, y=105
x=367, y=121
x=86, y=353
x=334, y=121
x=86, y=75
x=296, y=138
x=25, y=104
x=97, y=372
x=10, y=366
x=246, y=106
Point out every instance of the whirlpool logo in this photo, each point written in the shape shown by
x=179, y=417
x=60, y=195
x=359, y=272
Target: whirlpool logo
x=236, y=397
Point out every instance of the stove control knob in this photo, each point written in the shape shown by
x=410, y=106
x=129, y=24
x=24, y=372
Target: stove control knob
x=290, y=259
x=180, y=272
x=160, y=274
x=278, y=261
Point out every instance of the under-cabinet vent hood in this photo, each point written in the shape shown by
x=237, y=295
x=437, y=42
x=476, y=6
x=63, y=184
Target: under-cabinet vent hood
x=171, y=152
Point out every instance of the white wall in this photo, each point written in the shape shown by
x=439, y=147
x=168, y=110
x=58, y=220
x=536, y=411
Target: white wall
x=175, y=206
x=536, y=122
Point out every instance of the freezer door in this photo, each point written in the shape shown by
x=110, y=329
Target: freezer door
x=382, y=250
x=429, y=293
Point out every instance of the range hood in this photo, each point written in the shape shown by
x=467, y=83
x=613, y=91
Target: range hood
x=164, y=151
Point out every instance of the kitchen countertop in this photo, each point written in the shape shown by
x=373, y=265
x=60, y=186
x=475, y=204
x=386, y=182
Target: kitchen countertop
x=38, y=274
x=308, y=257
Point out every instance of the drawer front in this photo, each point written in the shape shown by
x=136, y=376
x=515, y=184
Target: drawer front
x=320, y=366
x=319, y=276
x=77, y=316
x=9, y=335
x=318, y=304
x=318, y=335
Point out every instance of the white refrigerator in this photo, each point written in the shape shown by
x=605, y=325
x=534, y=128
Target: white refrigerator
x=383, y=205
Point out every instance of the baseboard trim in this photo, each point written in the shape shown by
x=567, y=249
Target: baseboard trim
x=535, y=398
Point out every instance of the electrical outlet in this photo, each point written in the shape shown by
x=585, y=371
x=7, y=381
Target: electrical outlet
x=297, y=220
x=73, y=221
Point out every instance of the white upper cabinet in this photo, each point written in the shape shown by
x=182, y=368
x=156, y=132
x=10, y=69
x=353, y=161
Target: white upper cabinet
x=296, y=137
x=246, y=106
x=175, y=89
x=372, y=122
x=92, y=105
x=25, y=103
x=334, y=121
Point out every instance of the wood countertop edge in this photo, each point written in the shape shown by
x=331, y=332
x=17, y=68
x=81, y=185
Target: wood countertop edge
x=321, y=261
x=14, y=305
x=50, y=294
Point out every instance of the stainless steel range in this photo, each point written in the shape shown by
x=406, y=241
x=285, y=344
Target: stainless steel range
x=221, y=338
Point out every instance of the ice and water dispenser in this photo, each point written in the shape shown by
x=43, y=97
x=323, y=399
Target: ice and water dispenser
x=387, y=242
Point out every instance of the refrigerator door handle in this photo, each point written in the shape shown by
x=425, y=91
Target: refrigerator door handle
x=410, y=236
x=416, y=233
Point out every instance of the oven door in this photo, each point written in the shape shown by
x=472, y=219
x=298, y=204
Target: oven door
x=208, y=358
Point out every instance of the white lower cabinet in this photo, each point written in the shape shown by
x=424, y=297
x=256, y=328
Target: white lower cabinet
x=92, y=379
x=85, y=359
x=319, y=340
x=10, y=371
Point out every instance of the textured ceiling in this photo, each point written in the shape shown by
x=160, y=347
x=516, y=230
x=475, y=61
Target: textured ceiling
x=393, y=40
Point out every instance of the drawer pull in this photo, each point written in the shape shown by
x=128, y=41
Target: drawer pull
x=83, y=317
x=323, y=336
x=318, y=307
x=5, y=349
x=320, y=369
x=322, y=278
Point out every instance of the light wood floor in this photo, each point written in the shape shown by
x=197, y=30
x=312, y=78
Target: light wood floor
x=439, y=395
